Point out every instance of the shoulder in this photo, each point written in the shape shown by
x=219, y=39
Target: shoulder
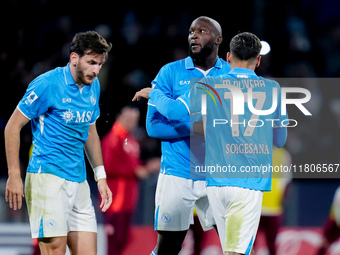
x=174, y=65
x=95, y=87
x=96, y=84
x=45, y=81
x=271, y=82
x=52, y=74
x=225, y=76
x=224, y=64
x=169, y=72
x=48, y=77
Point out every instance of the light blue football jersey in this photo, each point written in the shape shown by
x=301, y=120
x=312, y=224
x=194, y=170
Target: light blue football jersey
x=60, y=112
x=174, y=80
x=239, y=145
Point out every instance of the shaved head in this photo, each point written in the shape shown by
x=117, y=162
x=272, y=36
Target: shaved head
x=205, y=36
x=214, y=25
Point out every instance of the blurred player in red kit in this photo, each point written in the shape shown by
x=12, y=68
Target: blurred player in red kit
x=121, y=154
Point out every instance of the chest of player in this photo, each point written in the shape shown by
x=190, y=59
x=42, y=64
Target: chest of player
x=181, y=82
x=74, y=105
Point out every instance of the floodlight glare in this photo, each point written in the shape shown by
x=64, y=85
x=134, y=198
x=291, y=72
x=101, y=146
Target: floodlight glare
x=265, y=48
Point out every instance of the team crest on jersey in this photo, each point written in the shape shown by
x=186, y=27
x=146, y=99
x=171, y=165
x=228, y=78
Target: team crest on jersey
x=93, y=100
x=68, y=116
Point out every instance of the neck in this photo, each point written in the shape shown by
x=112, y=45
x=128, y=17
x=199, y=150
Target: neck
x=242, y=64
x=206, y=63
x=74, y=75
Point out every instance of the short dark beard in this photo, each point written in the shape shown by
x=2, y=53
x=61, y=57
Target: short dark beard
x=200, y=57
x=80, y=74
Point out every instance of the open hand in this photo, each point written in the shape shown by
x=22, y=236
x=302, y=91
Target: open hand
x=105, y=194
x=14, y=192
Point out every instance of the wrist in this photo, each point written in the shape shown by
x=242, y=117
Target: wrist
x=152, y=91
x=99, y=172
x=14, y=173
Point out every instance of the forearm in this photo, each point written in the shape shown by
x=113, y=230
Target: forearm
x=159, y=127
x=12, y=145
x=12, y=142
x=14, y=187
x=171, y=108
x=94, y=154
x=93, y=149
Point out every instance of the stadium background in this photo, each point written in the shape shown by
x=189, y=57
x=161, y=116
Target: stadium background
x=305, y=42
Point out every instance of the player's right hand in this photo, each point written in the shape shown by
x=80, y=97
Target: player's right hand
x=14, y=192
x=105, y=194
x=142, y=93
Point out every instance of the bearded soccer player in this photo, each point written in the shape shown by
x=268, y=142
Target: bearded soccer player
x=235, y=197
x=63, y=107
x=178, y=190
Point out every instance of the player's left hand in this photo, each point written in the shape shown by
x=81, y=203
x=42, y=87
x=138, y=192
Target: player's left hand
x=105, y=194
x=142, y=93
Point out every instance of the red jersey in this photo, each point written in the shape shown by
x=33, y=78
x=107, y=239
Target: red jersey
x=121, y=153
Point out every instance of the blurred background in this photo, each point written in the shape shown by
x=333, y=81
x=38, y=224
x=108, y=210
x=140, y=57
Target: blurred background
x=304, y=36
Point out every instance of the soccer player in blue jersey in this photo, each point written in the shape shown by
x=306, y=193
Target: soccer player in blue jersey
x=235, y=196
x=63, y=107
x=179, y=191
x=244, y=145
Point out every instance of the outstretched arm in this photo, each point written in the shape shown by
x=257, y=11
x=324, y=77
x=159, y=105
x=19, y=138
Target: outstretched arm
x=142, y=93
x=172, y=109
x=158, y=125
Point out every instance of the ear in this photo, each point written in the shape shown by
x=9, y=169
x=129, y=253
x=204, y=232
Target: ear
x=74, y=58
x=228, y=57
x=218, y=40
x=258, y=61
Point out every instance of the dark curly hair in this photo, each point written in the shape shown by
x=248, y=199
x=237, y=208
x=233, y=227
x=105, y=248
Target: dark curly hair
x=89, y=42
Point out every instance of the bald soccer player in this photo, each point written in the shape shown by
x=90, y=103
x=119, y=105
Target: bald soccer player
x=180, y=190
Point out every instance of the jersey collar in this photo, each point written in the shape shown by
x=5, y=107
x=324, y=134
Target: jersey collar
x=242, y=73
x=189, y=63
x=68, y=76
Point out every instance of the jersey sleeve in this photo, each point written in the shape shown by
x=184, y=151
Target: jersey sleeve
x=173, y=109
x=279, y=130
x=96, y=112
x=157, y=125
x=163, y=81
x=37, y=98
